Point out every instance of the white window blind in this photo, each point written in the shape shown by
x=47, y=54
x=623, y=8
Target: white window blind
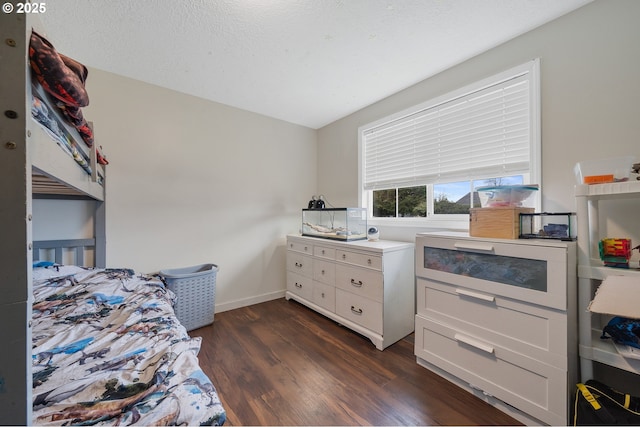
x=485, y=133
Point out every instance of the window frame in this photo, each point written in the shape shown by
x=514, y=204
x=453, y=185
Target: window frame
x=460, y=221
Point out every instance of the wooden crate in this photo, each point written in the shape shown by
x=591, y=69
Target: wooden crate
x=501, y=223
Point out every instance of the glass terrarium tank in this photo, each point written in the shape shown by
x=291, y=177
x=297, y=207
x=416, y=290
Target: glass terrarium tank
x=545, y=225
x=335, y=223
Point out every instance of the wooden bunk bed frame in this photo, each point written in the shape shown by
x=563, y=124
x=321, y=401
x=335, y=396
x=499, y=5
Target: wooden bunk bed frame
x=31, y=165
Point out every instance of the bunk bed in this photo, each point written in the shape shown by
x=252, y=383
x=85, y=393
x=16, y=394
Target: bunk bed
x=87, y=345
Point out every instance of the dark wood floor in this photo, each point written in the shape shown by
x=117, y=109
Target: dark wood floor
x=279, y=363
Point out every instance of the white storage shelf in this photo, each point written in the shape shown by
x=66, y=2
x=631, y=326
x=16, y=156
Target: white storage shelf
x=591, y=272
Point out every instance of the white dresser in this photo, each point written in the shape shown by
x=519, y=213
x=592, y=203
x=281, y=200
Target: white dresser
x=498, y=317
x=366, y=286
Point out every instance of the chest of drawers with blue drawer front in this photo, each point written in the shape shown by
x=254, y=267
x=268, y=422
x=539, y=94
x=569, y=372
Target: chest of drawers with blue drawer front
x=498, y=317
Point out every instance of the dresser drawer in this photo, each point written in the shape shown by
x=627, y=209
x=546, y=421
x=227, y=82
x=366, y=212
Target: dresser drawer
x=324, y=252
x=300, y=263
x=524, y=328
x=303, y=247
x=534, y=387
x=359, y=259
x=360, y=281
x=325, y=296
x=360, y=310
x=535, y=272
x=324, y=271
x=300, y=285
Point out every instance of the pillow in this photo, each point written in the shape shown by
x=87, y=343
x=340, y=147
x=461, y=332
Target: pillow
x=62, y=77
x=42, y=274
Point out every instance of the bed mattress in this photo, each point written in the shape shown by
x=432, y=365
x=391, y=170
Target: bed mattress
x=108, y=349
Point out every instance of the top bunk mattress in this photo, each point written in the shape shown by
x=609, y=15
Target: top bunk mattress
x=59, y=135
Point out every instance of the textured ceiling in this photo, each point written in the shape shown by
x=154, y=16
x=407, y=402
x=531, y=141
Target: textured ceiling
x=308, y=62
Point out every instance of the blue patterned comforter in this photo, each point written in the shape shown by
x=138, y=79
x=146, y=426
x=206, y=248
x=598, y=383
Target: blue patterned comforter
x=108, y=349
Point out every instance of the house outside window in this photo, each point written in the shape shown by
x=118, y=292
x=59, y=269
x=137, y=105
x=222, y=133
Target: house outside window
x=423, y=165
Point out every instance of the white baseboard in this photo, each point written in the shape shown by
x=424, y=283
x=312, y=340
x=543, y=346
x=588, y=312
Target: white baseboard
x=231, y=305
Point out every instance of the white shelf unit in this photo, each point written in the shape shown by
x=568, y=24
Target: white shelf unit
x=591, y=272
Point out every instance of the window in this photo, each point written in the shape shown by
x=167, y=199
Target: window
x=425, y=163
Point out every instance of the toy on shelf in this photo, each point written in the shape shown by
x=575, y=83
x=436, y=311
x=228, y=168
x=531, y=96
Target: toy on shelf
x=615, y=252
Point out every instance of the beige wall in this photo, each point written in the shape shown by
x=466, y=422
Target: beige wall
x=590, y=96
x=191, y=181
